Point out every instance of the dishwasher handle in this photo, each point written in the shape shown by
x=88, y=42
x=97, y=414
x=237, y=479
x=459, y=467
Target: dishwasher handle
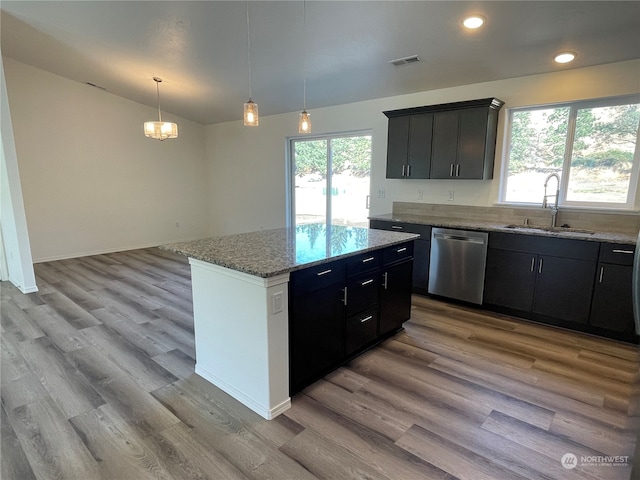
x=460, y=238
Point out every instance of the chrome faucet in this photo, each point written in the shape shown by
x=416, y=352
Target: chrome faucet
x=554, y=208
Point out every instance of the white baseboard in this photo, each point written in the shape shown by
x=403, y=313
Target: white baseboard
x=268, y=412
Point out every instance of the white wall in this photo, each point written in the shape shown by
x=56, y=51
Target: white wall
x=15, y=250
x=247, y=165
x=91, y=181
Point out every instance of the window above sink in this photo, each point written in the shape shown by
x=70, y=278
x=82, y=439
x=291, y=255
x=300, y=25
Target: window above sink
x=592, y=145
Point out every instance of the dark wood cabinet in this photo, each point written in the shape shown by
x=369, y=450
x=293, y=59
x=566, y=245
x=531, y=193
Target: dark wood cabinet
x=421, y=250
x=463, y=145
x=563, y=288
x=446, y=141
x=409, y=146
x=395, y=295
x=316, y=322
x=336, y=309
x=548, y=278
x=510, y=279
x=612, y=307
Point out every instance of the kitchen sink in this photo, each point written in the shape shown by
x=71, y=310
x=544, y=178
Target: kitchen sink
x=550, y=229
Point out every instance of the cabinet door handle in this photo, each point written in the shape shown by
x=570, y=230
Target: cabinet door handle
x=397, y=227
x=451, y=171
x=344, y=298
x=458, y=170
x=601, y=274
x=369, y=259
x=400, y=250
x=404, y=167
x=540, y=267
x=323, y=273
x=386, y=276
x=366, y=319
x=366, y=282
x=533, y=263
x=408, y=170
x=629, y=252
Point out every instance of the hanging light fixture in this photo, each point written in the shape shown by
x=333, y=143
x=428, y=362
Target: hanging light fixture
x=304, y=123
x=160, y=130
x=250, y=116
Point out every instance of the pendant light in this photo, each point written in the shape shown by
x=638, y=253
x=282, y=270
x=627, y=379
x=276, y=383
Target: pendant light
x=250, y=116
x=160, y=130
x=304, y=123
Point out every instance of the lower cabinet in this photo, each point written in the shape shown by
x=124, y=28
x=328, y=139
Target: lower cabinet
x=339, y=309
x=612, y=305
x=548, y=278
x=395, y=296
x=422, y=250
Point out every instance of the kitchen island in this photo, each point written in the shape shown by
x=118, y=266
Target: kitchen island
x=241, y=300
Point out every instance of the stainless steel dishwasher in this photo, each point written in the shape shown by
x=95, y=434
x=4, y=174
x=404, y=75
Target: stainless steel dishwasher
x=457, y=264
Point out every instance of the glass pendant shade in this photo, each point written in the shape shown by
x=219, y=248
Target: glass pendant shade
x=304, y=124
x=160, y=130
x=251, y=114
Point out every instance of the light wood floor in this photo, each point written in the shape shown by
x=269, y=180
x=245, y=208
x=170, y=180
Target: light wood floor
x=98, y=383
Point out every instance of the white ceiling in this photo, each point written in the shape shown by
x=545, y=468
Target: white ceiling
x=199, y=48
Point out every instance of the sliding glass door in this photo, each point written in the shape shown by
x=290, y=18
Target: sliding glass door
x=329, y=179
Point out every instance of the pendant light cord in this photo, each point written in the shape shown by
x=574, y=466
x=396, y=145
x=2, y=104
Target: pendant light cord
x=158, y=96
x=304, y=60
x=249, y=49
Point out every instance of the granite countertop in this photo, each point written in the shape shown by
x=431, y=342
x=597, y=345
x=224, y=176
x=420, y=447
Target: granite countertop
x=558, y=232
x=268, y=253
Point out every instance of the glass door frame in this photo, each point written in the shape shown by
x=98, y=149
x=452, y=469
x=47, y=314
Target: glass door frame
x=290, y=170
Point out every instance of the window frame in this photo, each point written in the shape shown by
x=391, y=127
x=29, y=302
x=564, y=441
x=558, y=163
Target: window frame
x=290, y=168
x=574, y=106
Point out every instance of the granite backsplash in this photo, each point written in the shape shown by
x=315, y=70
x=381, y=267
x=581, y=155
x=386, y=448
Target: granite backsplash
x=614, y=222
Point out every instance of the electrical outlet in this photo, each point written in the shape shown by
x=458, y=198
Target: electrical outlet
x=381, y=193
x=420, y=194
x=277, y=304
x=451, y=195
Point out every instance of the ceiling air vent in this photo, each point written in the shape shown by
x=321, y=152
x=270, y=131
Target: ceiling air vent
x=405, y=60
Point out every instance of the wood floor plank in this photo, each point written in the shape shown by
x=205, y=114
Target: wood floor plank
x=220, y=431
x=149, y=375
x=119, y=449
x=56, y=328
x=121, y=391
x=547, y=443
x=14, y=464
x=17, y=323
x=67, y=387
x=49, y=442
x=378, y=452
x=326, y=460
x=459, y=393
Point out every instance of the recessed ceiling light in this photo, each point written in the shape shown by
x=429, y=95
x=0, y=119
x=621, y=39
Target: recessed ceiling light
x=565, y=57
x=474, y=21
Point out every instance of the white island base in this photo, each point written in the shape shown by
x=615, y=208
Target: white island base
x=241, y=324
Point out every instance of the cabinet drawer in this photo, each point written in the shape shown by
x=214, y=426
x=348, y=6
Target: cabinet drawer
x=362, y=292
x=364, y=262
x=397, y=253
x=361, y=330
x=557, y=247
x=618, y=254
x=316, y=278
x=423, y=230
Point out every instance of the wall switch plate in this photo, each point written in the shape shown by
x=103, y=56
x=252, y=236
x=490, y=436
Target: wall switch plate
x=381, y=193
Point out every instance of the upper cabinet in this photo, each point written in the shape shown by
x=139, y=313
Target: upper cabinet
x=446, y=141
